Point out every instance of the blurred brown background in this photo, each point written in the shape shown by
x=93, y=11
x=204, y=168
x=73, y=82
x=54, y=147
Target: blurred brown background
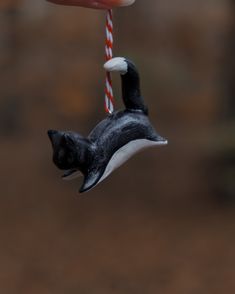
x=164, y=222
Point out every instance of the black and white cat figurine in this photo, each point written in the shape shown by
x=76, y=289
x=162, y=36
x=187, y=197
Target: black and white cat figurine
x=114, y=140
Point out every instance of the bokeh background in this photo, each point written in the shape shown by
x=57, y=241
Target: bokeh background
x=164, y=222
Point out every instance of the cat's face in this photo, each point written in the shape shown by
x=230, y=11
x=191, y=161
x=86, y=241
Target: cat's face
x=68, y=149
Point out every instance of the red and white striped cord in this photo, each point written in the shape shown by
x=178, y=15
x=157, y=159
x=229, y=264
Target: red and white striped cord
x=109, y=99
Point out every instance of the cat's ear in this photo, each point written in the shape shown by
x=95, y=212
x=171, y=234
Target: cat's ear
x=67, y=140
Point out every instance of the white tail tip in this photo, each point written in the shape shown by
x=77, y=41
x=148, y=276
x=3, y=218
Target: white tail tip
x=118, y=64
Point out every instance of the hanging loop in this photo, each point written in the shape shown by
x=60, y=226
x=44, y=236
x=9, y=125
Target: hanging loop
x=109, y=99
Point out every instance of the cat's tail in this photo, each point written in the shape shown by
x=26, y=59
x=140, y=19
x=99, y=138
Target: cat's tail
x=130, y=83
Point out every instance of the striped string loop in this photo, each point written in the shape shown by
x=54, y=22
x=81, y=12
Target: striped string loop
x=109, y=99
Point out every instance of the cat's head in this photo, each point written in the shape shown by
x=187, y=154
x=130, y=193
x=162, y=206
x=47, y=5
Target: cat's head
x=70, y=150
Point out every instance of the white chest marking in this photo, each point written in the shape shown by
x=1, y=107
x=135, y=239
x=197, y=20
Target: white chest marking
x=126, y=152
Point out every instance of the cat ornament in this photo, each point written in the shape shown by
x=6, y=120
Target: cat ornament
x=114, y=140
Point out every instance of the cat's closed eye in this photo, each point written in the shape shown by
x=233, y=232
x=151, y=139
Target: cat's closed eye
x=61, y=153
